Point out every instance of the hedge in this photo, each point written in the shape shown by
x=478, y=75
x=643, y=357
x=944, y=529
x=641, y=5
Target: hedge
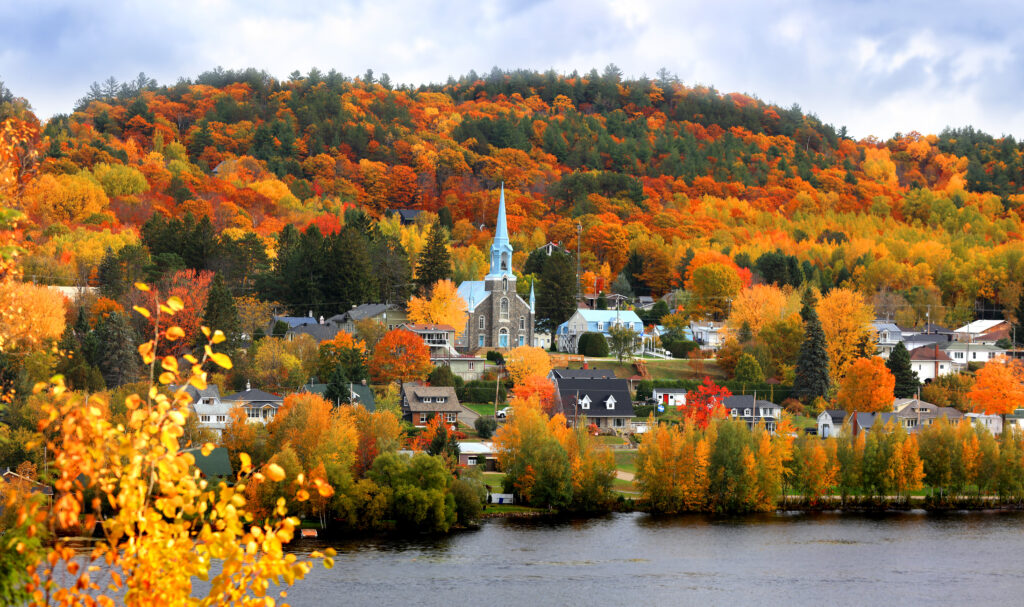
x=479, y=391
x=593, y=345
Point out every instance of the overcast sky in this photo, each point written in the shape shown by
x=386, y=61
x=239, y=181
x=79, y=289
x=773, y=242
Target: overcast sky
x=878, y=67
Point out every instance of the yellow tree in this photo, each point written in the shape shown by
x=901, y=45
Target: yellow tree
x=30, y=315
x=998, y=387
x=758, y=306
x=867, y=387
x=527, y=361
x=161, y=523
x=444, y=307
x=846, y=319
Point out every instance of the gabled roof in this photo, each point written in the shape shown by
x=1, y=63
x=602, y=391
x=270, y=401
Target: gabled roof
x=929, y=353
x=215, y=465
x=975, y=347
x=747, y=401
x=598, y=391
x=294, y=321
x=582, y=374
x=211, y=391
x=980, y=326
x=368, y=310
x=413, y=395
x=318, y=332
x=609, y=316
x=884, y=325
x=838, y=416
x=254, y=397
x=472, y=292
x=422, y=328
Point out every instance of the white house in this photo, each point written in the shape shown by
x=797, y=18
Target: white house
x=710, y=335
x=930, y=362
x=596, y=321
x=992, y=423
x=830, y=422
x=260, y=407
x=541, y=340
x=670, y=397
x=983, y=332
x=965, y=352
x=211, y=412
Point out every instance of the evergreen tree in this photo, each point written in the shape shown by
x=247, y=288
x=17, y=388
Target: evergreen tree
x=907, y=381
x=812, y=378
x=745, y=334
x=220, y=313
x=339, y=386
x=556, y=292
x=351, y=281
x=118, y=360
x=435, y=262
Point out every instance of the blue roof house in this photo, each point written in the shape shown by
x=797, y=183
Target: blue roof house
x=596, y=321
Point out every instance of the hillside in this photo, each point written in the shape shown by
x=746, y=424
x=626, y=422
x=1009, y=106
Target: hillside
x=657, y=174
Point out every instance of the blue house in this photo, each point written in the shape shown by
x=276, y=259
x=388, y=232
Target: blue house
x=596, y=321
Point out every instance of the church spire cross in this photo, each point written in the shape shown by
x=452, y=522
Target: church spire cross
x=501, y=248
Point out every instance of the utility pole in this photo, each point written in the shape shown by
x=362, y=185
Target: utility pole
x=579, y=285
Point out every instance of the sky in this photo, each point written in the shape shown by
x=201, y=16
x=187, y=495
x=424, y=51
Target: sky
x=876, y=67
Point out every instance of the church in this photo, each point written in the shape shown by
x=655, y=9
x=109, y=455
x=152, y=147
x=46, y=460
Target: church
x=497, y=317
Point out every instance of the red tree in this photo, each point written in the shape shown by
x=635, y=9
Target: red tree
x=705, y=403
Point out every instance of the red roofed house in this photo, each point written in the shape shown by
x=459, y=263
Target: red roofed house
x=931, y=362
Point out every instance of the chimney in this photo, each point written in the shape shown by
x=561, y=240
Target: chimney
x=248, y=386
x=311, y=313
x=321, y=319
x=363, y=382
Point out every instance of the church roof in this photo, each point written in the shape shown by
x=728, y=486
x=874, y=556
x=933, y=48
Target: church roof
x=472, y=292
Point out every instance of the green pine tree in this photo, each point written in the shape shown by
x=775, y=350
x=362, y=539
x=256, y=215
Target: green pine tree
x=556, y=292
x=812, y=377
x=745, y=334
x=907, y=381
x=1017, y=328
x=118, y=360
x=220, y=313
x=435, y=262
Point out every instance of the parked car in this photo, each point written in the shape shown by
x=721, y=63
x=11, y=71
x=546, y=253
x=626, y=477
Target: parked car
x=503, y=413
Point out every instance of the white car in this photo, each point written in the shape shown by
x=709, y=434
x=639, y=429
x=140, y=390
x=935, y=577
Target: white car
x=503, y=413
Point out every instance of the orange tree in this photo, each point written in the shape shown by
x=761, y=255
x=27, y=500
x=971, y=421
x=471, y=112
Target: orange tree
x=444, y=307
x=399, y=356
x=998, y=387
x=705, y=403
x=527, y=361
x=867, y=387
x=160, y=523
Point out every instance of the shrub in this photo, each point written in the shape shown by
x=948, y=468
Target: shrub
x=593, y=345
x=485, y=426
x=794, y=407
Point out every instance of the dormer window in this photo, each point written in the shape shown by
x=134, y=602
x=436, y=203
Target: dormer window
x=610, y=403
x=733, y=412
x=427, y=399
x=585, y=402
x=440, y=399
x=746, y=413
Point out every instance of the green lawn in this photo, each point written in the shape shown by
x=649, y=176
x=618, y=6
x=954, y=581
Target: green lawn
x=625, y=460
x=620, y=485
x=485, y=409
x=611, y=440
x=502, y=508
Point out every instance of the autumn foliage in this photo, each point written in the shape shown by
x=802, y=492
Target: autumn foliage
x=400, y=356
x=998, y=387
x=867, y=387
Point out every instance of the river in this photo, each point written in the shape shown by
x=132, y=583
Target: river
x=634, y=559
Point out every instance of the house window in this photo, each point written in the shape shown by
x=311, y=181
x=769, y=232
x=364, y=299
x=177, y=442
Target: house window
x=504, y=284
x=428, y=399
x=480, y=341
x=483, y=323
x=471, y=460
x=600, y=326
x=472, y=366
x=746, y=413
x=733, y=412
x=610, y=403
x=449, y=417
x=221, y=418
x=974, y=355
x=503, y=338
x=585, y=403
x=504, y=308
x=204, y=418
x=619, y=422
x=522, y=323
x=440, y=399
x=253, y=413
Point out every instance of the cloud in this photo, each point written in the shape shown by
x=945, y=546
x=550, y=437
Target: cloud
x=876, y=67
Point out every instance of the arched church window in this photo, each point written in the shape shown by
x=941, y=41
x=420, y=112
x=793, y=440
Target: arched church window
x=522, y=323
x=504, y=262
x=504, y=284
x=504, y=308
x=483, y=323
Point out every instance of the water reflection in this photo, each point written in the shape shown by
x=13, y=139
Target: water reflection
x=770, y=559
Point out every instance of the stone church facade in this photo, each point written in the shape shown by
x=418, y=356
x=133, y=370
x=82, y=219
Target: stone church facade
x=497, y=317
